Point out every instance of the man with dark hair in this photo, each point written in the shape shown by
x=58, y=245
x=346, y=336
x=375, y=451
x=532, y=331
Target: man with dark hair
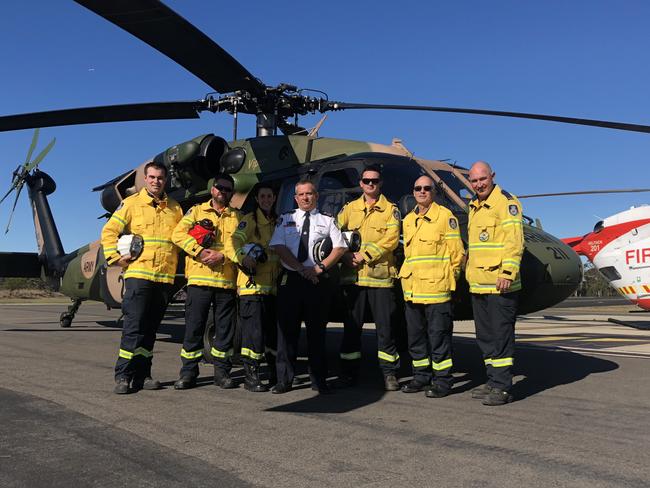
x=496, y=245
x=211, y=280
x=304, y=290
x=151, y=215
x=368, y=276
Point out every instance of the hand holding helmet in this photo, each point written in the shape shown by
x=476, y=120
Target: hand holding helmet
x=204, y=233
x=130, y=247
x=254, y=254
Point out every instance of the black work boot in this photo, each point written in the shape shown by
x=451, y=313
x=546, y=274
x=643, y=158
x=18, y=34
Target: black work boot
x=146, y=383
x=413, y=386
x=122, y=386
x=185, y=382
x=436, y=391
x=391, y=383
x=252, y=379
x=481, y=392
x=222, y=379
x=497, y=397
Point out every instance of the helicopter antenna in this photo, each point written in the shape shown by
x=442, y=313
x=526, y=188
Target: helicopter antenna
x=314, y=130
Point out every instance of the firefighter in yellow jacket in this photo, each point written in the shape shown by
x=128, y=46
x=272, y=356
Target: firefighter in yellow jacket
x=205, y=233
x=256, y=288
x=367, y=276
x=496, y=245
x=148, y=277
x=433, y=253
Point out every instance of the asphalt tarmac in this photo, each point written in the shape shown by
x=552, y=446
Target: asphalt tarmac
x=580, y=418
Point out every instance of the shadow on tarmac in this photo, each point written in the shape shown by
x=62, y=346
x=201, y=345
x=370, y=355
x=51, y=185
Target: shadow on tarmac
x=541, y=368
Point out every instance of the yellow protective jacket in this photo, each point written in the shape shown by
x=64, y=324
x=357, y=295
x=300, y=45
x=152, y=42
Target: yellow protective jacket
x=379, y=226
x=265, y=273
x=496, y=242
x=137, y=214
x=433, y=252
x=224, y=274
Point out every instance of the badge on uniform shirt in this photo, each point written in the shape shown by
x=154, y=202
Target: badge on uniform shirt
x=396, y=214
x=242, y=225
x=279, y=222
x=452, y=223
x=513, y=209
x=483, y=236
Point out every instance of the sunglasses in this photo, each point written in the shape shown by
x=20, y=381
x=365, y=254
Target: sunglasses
x=223, y=189
x=368, y=181
x=421, y=188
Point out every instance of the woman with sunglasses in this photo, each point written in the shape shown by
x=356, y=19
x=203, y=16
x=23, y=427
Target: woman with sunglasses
x=433, y=254
x=258, y=270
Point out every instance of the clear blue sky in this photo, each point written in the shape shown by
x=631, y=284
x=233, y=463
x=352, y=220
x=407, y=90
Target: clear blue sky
x=580, y=58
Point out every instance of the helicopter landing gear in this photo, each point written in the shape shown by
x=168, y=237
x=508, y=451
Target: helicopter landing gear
x=66, y=317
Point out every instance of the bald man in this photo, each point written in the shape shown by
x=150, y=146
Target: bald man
x=433, y=252
x=495, y=248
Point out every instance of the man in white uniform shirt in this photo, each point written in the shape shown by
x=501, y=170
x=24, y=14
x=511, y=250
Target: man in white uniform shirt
x=304, y=291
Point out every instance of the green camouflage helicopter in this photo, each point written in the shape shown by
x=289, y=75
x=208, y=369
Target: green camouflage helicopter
x=281, y=153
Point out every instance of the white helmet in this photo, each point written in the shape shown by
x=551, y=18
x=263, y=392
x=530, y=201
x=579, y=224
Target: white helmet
x=130, y=244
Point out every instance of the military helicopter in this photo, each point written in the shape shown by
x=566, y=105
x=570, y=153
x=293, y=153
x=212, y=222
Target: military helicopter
x=281, y=153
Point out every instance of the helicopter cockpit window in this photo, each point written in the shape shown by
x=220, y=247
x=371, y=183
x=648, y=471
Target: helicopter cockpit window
x=398, y=187
x=455, y=185
x=338, y=180
x=336, y=188
x=599, y=226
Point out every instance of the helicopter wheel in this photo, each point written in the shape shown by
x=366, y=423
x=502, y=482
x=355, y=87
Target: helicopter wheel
x=208, y=337
x=65, y=320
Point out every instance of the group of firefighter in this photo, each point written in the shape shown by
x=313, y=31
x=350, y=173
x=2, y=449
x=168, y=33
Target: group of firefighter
x=269, y=270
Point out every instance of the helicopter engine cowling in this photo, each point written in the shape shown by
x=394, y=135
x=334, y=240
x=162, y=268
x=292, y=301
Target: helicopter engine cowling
x=192, y=163
x=110, y=199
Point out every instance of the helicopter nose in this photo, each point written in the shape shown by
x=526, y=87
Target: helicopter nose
x=551, y=272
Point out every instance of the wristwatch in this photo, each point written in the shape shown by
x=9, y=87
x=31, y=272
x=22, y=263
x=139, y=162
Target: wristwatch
x=322, y=267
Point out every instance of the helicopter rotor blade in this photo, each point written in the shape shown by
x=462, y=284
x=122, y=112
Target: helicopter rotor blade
x=519, y=115
x=105, y=113
x=39, y=158
x=32, y=146
x=588, y=192
x=14, y=185
x=163, y=29
x=13, y=208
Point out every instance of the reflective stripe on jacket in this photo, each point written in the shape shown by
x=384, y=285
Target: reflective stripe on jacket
x=433, y=252
x=265, y=273
x=137, y=214
x=496, y=242
x=379, y=226
x=224, y=274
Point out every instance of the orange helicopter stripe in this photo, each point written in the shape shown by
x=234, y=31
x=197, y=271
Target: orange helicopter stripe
x=646, y=288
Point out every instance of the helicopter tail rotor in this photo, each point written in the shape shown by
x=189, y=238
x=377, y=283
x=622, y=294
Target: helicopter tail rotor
x=22, y=173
